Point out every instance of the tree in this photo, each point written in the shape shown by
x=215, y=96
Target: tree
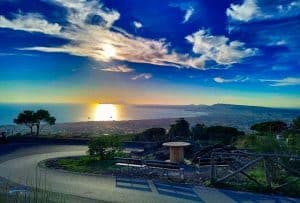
x=26, y=118
x=31, y=119
x=181, y=129
x=296, y=123
x=269, y=127
x=199, y=132
x=43, y=116
x=153, y=135
x=225, y=134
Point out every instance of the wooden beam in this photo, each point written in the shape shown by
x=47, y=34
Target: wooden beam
x=285, y=184
x=213, y=169
x=267, y=173
x=294, y=172
x=241, y=169
x=249, y=177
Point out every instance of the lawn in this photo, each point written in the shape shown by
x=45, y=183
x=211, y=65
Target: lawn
x=83, y=164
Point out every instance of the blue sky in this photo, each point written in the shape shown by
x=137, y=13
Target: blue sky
x=151, y=52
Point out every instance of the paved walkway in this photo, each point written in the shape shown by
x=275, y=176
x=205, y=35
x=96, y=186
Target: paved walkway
x=23, y=170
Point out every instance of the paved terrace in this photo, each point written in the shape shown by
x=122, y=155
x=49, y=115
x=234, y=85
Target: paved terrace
x=20, y=165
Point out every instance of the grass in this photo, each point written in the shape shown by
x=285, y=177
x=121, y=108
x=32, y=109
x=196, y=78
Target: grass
x=84, y=164
x=293, y=189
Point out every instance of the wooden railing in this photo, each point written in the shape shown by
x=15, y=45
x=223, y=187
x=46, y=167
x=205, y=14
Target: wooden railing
x=242, y=161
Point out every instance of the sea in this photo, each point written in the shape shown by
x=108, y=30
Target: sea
x=65, y=113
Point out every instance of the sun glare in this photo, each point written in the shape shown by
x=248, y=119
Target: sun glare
x=109, y=51
x=106, y=112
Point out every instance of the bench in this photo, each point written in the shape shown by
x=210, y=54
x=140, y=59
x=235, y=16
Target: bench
x=150, y=168
x=131, y=166
x=161, y=169
x=129, y=162
x=162, y=165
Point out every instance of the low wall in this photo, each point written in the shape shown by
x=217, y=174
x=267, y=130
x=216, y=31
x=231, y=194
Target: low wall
x=47, y=140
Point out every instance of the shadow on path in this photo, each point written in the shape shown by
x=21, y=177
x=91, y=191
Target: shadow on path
x=133, y=184
x=240, y=197
x=177, y=190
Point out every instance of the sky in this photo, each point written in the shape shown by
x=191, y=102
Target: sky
x=150, y=52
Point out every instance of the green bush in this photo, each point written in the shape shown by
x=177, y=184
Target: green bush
x=262, y=144
x=104, y=147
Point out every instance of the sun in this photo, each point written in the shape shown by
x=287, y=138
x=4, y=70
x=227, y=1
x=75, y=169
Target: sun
x=109, y=51
x=106, y=112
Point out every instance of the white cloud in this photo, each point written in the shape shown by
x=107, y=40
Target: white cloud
x=188, y=14
x=259, y=10
x=236, y=79
x=90, y=40
x=289, y=81
x=219, y=48
x=104, y=42
x=244, y=12
x=289, y=8
x=80, y=10
x=30, y=22
x=142, y=76
x=187, y=7
x=137, y=24
x=120, y=69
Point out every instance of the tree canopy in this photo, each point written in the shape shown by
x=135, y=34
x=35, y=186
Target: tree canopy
x=152, y=135
x=31, y=119
x=296, y=123
x=223, y=134
x=26, y=118
x=269, y=127
x=199, y=132
x=43, y=116
x=180, y=130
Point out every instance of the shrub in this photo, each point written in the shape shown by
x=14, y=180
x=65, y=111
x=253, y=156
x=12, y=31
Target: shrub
x=262, y=144
x=105, y=146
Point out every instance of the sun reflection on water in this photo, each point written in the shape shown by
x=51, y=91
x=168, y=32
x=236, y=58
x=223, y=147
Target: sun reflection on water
x=106, y=112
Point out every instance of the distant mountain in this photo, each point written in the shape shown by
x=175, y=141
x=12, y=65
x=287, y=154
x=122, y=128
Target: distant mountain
x=240, y=116
x=236, y=107
x=243, y=109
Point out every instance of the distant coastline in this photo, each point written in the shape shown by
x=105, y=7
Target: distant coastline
x=238, y=116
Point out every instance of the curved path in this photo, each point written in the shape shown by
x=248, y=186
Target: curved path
x=20, y=166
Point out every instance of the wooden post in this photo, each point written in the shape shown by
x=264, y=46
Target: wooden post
x=267, y=173
x=213, y=169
